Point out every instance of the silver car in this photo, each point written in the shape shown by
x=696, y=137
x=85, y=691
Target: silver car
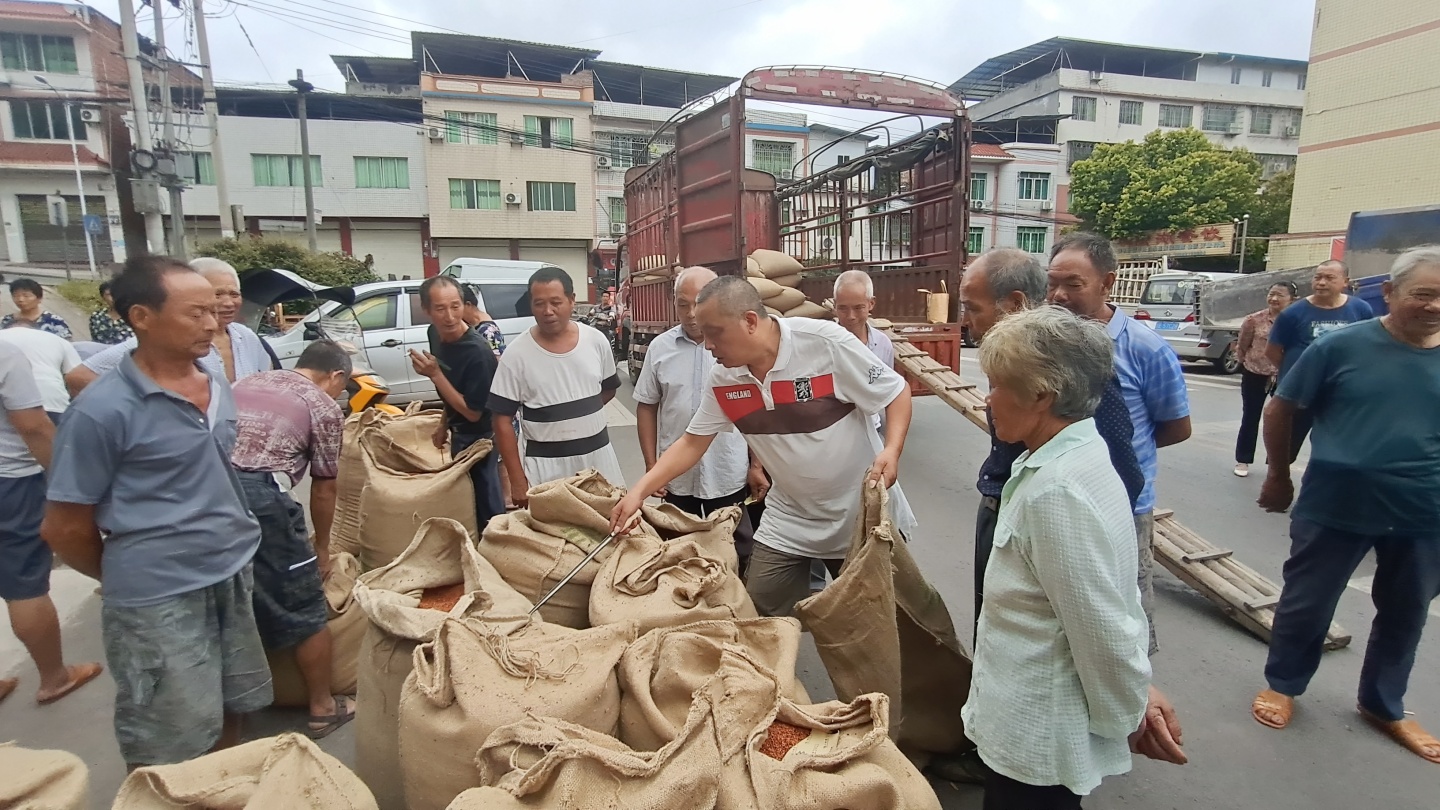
x=1170, y=304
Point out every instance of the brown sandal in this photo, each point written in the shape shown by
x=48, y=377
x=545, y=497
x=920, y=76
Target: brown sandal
x=1408, y=733
x=322, y=725
x=1273, y=702
x=80, y=674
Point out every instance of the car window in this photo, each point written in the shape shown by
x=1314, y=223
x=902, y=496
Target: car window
x=452, y=271
x=418, y=315
x=505, y=300
x=377, y=312
x=1170, y=292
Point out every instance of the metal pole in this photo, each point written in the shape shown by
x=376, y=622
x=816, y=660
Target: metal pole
x=212, y=120
x=303, y=87
x=167, y=133
x=79, y=179
x=130, y=45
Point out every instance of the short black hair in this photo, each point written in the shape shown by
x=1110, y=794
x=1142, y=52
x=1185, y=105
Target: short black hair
x=1344, y=268
x=141, y=282
x=545, y=275
x=29, y=285
x=469, y=296
x=438, y=281
x=104, y=287
x=326, y=357
x=1095, y=247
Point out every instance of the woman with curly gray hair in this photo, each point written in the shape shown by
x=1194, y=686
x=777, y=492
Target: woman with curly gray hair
x=1061, y=658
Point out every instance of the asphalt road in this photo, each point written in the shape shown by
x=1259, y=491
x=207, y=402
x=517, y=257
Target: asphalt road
x=1209, y=666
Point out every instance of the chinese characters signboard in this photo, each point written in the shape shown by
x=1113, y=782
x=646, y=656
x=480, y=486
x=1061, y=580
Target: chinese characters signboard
x=1202, y=240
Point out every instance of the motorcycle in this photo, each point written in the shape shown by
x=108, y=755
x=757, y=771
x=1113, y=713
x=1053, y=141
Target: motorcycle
x=262, y=290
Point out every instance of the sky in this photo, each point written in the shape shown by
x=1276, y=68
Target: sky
x=264, y=41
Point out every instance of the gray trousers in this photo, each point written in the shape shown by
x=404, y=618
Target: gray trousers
x=776, y=580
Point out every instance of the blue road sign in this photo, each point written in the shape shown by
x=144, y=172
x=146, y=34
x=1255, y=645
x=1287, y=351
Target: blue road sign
x=94, y=224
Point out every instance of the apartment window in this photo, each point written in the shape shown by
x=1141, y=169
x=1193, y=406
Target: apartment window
x=548, y=133
x=1030, y=240
x=977, y=186
x=471, y=127
x=38, y=53
x=1132, y=112
x=975, y=242
x=196, y=168
x=1300, y=82
x=1219, y=117
x=284, y=170
x=775, y=157
x=46, y=120
x=475, y=195
x=1034, y=186
x=892, y=230
x=382, y=172
x=617, y=210
x=1271, y=165
x=1266, y=78
x=1295, y=117
x=1235, y=75
x=1079, y=150
x=1262, y=119
x=551, y=196
x=626, y=150
x=1178, y=116
x=1082, y=108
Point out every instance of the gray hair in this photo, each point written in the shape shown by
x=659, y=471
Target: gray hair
x=1049, y=350
x=735, y=296
x=1011, y=270
x=209, y=265
x=1412, y=260
x=1097, y=250
x=686, y=272
x=858, y=278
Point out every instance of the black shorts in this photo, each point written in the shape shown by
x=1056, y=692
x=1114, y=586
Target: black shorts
x=289, y=596
x=25, y=559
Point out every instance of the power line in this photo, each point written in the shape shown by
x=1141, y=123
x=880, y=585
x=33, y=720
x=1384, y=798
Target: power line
x=281, y=13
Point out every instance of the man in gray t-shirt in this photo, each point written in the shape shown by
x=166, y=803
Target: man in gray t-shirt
x=143, y=497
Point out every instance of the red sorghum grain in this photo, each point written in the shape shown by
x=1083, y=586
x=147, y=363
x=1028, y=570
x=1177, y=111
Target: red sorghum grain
x=781, y=738
x=443, y=597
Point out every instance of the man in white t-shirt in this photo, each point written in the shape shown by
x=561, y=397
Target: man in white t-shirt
x=51, y=358
x=802, y=393
x=558, y=375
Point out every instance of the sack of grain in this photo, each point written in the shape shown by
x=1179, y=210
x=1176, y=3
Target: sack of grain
x=347, y=625
x=880, y=627
x=658, y=583
x=405, y=429
x=774, y=313
x=533, y=549
x=715, y=533
x=476, y=676
x=809, y=309
x=767, y=288
x=397, y=601
x=660, y=672
x=53, y=780
x=284, y=771
x=752, y=269
x=775, y=264
x=787, y=299
x=788, y=281
x=400, y=493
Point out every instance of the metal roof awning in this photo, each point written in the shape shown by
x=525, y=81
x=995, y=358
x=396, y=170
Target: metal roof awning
x=461, y=55
x=1000, y=73
x=378, y=69
x=657, y=87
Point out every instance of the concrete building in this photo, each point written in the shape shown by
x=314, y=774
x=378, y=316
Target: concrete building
x=1077, y=93
x=1012, y=196
x=1371, y=137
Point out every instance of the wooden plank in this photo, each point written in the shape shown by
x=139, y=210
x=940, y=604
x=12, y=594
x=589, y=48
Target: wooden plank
x=1202, y=556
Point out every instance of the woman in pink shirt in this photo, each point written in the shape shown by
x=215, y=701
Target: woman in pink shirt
x=1257, y=373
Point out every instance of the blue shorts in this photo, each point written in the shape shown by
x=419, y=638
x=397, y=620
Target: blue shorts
x=25, y=559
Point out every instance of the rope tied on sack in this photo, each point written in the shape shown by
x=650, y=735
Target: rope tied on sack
x=527, y=664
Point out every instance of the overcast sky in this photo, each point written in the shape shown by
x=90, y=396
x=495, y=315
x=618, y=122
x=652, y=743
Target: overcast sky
x=933, y=39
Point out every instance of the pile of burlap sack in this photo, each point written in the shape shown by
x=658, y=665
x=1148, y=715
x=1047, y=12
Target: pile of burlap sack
x=776, y=276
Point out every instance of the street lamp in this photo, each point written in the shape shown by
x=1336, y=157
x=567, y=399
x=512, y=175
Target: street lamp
x=1243, y=225
x=79, y=181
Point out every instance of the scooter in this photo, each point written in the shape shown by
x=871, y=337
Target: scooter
x=263, y=289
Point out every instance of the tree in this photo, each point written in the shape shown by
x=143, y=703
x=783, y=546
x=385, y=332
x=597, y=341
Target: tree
x=1170, y=181
x=1269, y=213
x=248, y=253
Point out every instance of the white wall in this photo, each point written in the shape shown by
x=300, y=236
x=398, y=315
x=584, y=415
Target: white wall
x=15, y=183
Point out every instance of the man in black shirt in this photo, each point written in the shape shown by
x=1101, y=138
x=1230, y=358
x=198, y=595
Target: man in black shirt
x=462, y=367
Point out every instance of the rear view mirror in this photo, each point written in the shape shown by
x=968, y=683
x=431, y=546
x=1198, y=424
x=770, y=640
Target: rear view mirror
x=312, y=330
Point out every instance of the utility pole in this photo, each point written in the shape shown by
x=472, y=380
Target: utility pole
x=140, y=104
x=167, y=133
x=228, y=227
x=79, y=179
x=1243, y=225
x=303, y=88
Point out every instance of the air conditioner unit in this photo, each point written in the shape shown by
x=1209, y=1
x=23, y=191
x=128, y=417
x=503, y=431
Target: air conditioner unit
x=602, y=161
x=90, y=115
x=436, y=134
x=1292, y=132
x=1046, y=205
x=977, y=205
x=1096, y=76
x=787, y=174
x=517, y=138
x=1234, y=129
x=512, y=199
x=617, y=229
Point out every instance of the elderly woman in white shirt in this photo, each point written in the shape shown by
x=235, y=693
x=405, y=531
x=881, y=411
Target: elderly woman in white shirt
x=1061, y=665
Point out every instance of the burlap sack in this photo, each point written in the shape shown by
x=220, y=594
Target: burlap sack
x=787, y=299
x=46, y=780
x=440, y=554
x=767, y=288
x=659, y=583
x=880, y=627
x=533, y=549
x=788, y=281
x=775, y=264
x=774, y=313
x=286, y=771
x=660, y=672
x=809, y=309
x=752, y=269
x=714, y=533
x=400, y=493
x=347, y=625
x=353, y=473
x=477, y=676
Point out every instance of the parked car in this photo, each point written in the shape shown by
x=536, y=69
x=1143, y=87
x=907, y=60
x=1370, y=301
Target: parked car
x=1170, y=304
x=471, y=269
x=394, y=323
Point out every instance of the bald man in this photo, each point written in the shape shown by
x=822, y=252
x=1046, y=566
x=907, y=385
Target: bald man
x=667, y=395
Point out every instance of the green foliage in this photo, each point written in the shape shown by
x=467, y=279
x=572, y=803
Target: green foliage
x=83, y=294
x=1170, y=181
x=1270, y=214
x=248, y=253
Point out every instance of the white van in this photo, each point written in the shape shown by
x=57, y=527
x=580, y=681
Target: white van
x=1170, y=304
x=478, y=270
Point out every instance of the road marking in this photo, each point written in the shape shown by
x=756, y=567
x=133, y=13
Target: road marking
x=618, y=415
x=1212, y=383
x=1364, y=585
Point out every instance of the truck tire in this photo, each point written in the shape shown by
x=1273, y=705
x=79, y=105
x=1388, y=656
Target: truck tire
x=1229, y=362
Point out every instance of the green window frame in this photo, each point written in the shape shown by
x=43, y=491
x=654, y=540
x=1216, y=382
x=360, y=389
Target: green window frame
x=775, y=157
x=1082, y=108
x=475, y=195
x=1030, y=240
x=1176, y=116
x=624, y=148
x=199, y=170
x=1132, y=112
x=1262, y=120
x=1034, y=185
x=284, y=171
x=975, y=241
x=548, y=196
x=617, y=210
x=978, y=181
x=549, y=133
x=471, y=127
x=46, y=120
x=40, y=53
x=382, y=172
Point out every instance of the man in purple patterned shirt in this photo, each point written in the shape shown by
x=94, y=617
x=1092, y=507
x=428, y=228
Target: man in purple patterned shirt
x=290, y=421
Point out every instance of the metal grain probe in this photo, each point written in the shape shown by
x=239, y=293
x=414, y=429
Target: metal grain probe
x=573, y=572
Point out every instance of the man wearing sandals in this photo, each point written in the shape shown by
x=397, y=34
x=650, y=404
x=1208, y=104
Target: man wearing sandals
x=1371, y=483
x=289, y=422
